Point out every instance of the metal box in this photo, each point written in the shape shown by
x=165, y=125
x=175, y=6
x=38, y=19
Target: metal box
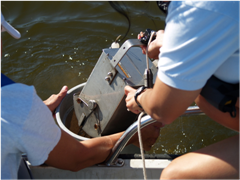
x=100, y=107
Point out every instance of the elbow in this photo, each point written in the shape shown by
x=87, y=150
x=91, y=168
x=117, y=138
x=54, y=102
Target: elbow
x=159, y=116
x=163, y=120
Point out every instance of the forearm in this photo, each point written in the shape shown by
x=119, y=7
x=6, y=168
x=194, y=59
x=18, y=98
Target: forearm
x=73, y=155
x=164, y=103
x=146, y=100
x=154, y=109
x=98, y=149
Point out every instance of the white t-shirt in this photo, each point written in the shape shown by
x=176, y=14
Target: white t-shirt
x=200, y=39
x=27, y=126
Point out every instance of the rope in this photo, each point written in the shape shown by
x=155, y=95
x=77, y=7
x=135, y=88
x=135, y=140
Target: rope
x=140, y=117
x=141, y=145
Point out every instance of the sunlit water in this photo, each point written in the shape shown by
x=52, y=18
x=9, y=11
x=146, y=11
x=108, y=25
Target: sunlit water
x=61, y=43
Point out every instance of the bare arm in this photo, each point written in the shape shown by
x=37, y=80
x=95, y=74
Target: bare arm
x=73, y=155
x=163, y=103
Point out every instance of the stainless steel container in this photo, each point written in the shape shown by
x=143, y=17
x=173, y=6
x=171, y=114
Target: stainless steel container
x=100, y=107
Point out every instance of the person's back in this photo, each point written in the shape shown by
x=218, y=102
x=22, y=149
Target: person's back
x=200, y=39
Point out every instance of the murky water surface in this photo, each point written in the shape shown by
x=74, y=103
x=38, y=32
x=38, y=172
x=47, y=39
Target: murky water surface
x=62, y=41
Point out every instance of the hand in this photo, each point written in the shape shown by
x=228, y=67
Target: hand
x=149, y=134
x=54, y=100
x=130, y=101
x=143, y=47
x=154, y=46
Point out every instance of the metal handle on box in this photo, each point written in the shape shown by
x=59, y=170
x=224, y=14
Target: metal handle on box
x=123, y=50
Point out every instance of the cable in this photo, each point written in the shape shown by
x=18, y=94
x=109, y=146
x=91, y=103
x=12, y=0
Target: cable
x=115, y=5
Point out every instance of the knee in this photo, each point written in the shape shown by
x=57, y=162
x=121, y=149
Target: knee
x=171, y=172
x=176, y=170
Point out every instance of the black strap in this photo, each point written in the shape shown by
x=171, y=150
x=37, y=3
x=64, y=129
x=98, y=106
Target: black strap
x=5, y=80
x=221, y=95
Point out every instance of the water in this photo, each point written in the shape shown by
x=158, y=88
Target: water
x=62, y=41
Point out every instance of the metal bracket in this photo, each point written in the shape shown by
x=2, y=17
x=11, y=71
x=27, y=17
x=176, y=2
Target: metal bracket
x=88, y=105
x=123, y=49
x=117, y=163
x=110, y=76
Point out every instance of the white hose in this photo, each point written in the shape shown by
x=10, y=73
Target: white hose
x=141, y=145
x=140, y=117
